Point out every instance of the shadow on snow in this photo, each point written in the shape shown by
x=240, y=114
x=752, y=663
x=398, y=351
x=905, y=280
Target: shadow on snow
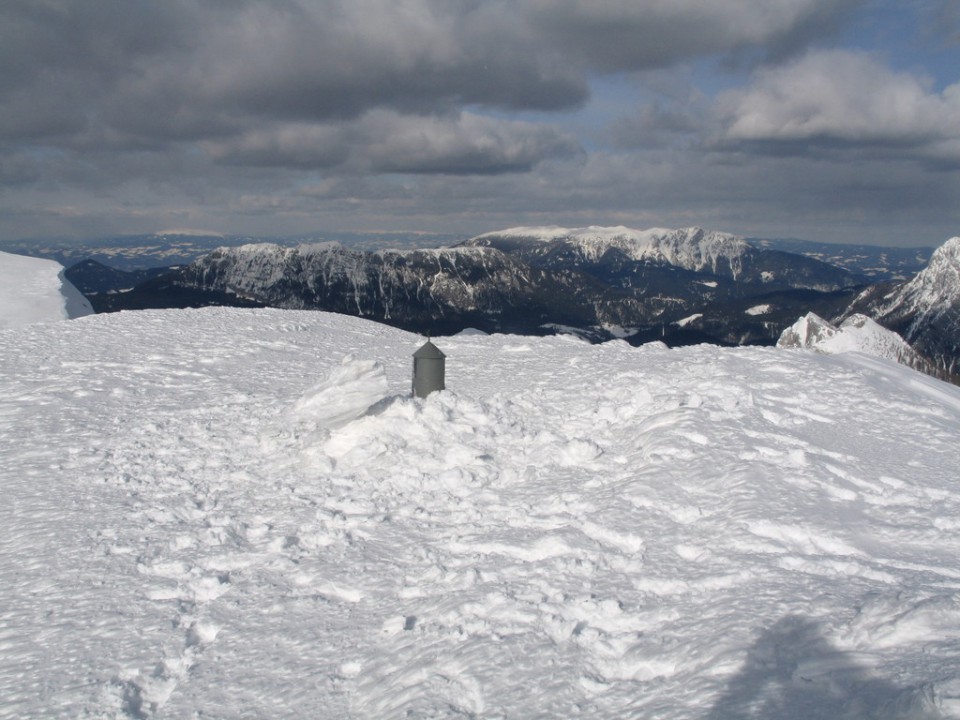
x=793, y=673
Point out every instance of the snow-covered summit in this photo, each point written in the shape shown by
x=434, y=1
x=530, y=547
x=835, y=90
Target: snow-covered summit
x=691, y=248
x=188, y=232
x=35, y=290
x=857, y=333
x=226, y=513
x=935, y=289
x=925, y=310
x=332, y=254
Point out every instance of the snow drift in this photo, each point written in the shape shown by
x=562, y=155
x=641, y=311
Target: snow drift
x=569, y=530
x=35, y=290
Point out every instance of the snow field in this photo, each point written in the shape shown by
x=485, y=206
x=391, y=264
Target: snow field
x=35, y=290
x=243, y=514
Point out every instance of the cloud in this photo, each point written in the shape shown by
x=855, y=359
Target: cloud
x=659, y=124
x=354, y=86
x=466, y=144
x=837, y=99
x=183, y=70
x=387, y=142
x=616, y=36
x=287, y=115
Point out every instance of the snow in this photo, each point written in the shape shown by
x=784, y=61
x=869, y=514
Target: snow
x=618, y=331
x=35, y=290
x=688, y=320
x=242, y=513
x=347, y=394
x=935, y=290
x=857, y=333
x=189, y=232
x=759, y=310
x=691, y=248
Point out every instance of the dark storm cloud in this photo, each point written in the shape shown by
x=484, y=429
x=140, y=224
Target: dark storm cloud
x=620, y=36
x=187, y=68
x=114, y=71
x=290, y=113
x=60, y=60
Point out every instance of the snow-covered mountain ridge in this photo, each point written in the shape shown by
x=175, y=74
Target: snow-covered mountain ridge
x=432, y=288
x=857, y=333
x=228, y=513
x=690, y=248
x=934, y=291
x=924, y=310
x=615, y=283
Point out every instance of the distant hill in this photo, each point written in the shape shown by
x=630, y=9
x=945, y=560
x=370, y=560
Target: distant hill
x=876, y=263
x=167, y=249
x=94, y=278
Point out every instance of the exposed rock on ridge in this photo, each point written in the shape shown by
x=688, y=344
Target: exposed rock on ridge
x=857, y=333
x=925, y=311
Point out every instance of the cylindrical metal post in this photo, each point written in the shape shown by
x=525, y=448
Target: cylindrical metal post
x=429, y=369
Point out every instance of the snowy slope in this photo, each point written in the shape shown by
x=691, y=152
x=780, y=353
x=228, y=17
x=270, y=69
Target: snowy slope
x=34, y=290
x=857, y=333
x=227, y=513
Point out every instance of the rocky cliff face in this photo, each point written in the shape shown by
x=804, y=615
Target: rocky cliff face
x=925, y=310
x=681, y=286
x=438, y=289
x=615, y=254
x=602, y=281
x=857, y=333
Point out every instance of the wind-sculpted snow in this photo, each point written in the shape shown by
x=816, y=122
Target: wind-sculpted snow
x=227, y=513
x=35, y=290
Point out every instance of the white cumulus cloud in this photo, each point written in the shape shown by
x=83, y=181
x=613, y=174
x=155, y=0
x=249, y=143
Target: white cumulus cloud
x=842, y=97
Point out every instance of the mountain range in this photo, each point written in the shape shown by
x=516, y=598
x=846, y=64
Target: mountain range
x=604, y=282
x=168, y=248
x=681, y=286
x=857, y=333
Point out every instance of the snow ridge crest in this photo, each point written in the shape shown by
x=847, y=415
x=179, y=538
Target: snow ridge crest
x=691, y=248
x=857, y=333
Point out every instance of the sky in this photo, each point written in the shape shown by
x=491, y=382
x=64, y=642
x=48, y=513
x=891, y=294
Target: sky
x=829, y=120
